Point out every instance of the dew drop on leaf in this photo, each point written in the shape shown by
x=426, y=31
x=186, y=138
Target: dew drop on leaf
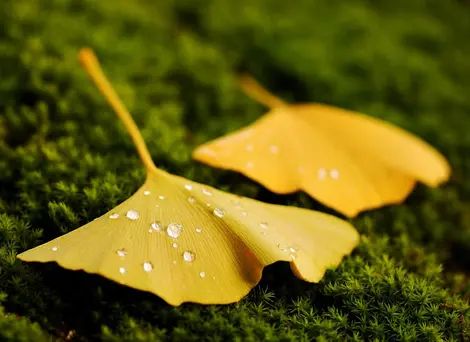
x=322, y=173
x=174, y=230
x=156, y=225
x=132, y=215
x=334, y=173
x=219, y=212
x=207, y=192
x=189, y=256
x=148, y=266
x=121, y=252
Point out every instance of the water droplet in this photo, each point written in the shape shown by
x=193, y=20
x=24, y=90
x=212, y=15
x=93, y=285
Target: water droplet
x=273, y=149
x=249, y=147
x=54, y=248
x=209, y=205
x=174, y=262
x=146, y=192
x=322, y=173
x=334, y=173
x=202, y=274
x=121, y=252
x=244, y=213
x=219, y=212
x=263, y=225
x=156, y=225
x=122, y=270
x=249, y=165
x=175, y=245
x=191, y=199
x=264, y=234
x=207, y=192
x=114, y=216
x=174, y=230
x=293, y=250
x=132, y=215
x=189, y=256
x=198, y=230
x=148, y=266
x=161, y=197
x=188, y=187
x=293, y=257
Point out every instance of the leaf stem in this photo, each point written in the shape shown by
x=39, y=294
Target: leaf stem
x=253, y=89
x=91, y=64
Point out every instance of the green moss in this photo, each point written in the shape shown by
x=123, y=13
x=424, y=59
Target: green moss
x=65, y=159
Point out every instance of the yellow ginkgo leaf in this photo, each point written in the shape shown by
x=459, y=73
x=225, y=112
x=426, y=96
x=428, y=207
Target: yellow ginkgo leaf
x=348, y=161
x=188, y=242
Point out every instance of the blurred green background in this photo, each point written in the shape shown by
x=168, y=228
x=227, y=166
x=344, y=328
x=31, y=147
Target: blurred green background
x=65, y=159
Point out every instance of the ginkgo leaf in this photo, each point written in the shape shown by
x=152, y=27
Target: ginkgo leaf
x=188, y=242
x=347, y=160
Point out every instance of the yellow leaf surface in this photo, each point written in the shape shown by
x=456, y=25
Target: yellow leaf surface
x=188, y=242
x=348, y=161
x=199, y=245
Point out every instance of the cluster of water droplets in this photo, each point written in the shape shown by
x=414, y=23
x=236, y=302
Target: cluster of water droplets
x=174, y=230
x=272, y=148
x=292, y=251
x=264, y=228
x=324, y=173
